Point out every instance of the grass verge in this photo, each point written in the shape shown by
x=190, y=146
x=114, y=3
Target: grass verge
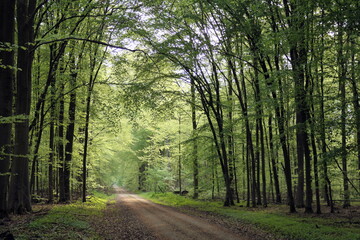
x=62, y=221
x=275, y=219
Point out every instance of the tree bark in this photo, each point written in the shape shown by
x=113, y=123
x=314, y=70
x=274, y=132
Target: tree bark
x=70, y=129
x=356, y=106
x=86, y=142
x=260, y=136
x=19, y=196
x=60, y=145
x=179, y=159
x=295, y=13
x=51, y=160
x=195, y=146
x=273, y=163
x=342, y=79
x=7, y=30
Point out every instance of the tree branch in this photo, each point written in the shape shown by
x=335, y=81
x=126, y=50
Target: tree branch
x=91, y=41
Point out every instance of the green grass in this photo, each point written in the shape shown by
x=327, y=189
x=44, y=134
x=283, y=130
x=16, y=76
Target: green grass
x=68, y=221
x=273, y=219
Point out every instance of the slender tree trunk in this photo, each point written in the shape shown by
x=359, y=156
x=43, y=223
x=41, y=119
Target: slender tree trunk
x=35, y=131
x=95, y=65
x=260, y=140
x=311, y=117
x=70, y=129
x=327, y=183
x=213, y=179
x=52, y=127
x=230, y=138
x=316, y=173
x=300, y=123
x=7, y=30
x=195, y=146
x=179, y=159
x=263, y=164
x=236, y=179
x=256, y=167
x=342, y=81
x=86, y=141
x=273, y=163
x=60, y=145
x=356, y=105
x=248, y=178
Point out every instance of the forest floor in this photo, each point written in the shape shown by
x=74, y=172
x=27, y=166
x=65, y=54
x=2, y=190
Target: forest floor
x=132, y=217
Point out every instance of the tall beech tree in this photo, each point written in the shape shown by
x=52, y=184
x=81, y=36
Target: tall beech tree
x=7, y=70
x=19, y=193
x=195, y=146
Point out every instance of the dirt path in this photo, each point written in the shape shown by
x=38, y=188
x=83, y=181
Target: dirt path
x=133, y=217
x=167, y=223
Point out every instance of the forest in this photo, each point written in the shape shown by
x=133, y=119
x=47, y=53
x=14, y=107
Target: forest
x=243, y=101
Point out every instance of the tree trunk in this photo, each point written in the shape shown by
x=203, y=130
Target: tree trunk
x=60, y=144
x=230, y=139
x=7, y=30
x=260, y=137
x=327, y=183
x=248, y=192
x=241, y=95
x=256, y=167
x=342, y=81
x=52, y=126
x=86, y=141
x=295, y=12
x=195, y=146
x=311, y=116
x=179, y=159
x=70, y=129
x=19, y=195
x=316, y=173
x=356, y=105
x=273, y=163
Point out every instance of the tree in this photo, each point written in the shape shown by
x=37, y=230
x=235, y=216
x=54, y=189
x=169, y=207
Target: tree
x=19, y=194
x=195, y=146
x=7, y=24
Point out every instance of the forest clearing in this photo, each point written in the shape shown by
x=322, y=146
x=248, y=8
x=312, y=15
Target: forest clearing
x=246, y=111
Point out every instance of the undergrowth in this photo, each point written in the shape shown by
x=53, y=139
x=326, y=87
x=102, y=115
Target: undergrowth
x=67, y=221
x=273, y=219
